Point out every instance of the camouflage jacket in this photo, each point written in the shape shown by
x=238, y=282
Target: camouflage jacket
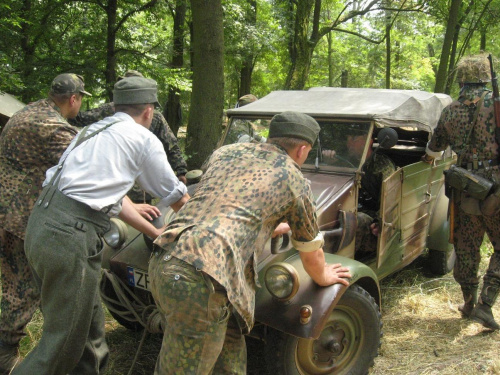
x=247, y=190
x=159, y=127
x=376, y=169
x=455, y=124
x=32, y=141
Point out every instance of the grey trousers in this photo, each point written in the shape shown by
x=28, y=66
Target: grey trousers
x=63, y=247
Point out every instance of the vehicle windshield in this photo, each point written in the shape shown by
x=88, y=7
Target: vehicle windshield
x=340, y=144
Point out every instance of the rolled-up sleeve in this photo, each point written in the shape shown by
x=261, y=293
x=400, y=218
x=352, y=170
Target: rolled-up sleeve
x=157, y=177
x=303, y=223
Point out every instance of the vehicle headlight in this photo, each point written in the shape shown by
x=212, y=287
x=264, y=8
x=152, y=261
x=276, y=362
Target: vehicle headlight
x=117, y=234
x=282, y=281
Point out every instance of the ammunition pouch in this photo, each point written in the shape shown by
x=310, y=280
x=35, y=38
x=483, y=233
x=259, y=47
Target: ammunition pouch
x=462, y=180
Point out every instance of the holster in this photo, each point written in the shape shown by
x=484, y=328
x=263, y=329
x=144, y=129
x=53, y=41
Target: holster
x=463, y=180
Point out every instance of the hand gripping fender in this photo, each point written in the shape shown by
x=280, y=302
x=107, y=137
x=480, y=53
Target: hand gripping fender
x=285, y=316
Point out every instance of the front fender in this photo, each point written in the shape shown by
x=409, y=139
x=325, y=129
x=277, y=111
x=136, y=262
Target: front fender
x=285, y=316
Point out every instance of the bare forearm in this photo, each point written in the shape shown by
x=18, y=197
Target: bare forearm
x=177, y=205
x=132, y=217
x=322, y=273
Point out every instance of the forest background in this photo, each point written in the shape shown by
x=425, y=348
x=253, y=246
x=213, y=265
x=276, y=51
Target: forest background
x=204, y=54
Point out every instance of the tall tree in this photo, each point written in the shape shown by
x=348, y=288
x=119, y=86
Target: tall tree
x=442, y=73
x=207, y=98
x=173, y=109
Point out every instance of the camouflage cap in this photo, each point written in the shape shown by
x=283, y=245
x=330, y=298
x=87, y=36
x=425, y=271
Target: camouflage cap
x=135, y=90
x=246, y=99
x=474, y=69
x=294, y=125
x=68, y=83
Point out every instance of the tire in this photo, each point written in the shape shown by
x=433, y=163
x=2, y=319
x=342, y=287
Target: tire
x=348, y=343
x=442, y=262
x=108, y=294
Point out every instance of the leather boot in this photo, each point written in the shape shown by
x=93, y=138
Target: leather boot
x=482, y=312
x=9, y=357
x=470, y=300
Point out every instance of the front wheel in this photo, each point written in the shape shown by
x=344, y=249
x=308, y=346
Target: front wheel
x=348, y=343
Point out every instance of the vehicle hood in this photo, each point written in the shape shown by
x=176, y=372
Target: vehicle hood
x=327, y=187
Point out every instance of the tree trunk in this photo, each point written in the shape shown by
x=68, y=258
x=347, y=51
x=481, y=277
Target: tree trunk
x=28, y=52
x=110, y=73
x=207, y=98
x=173, y=109
x=301, y=48
x=248, y=59
x=442, y=73
x=387, y=46
x=329, y=39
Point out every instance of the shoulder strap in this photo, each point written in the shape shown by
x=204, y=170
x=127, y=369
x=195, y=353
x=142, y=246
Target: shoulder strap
x=81, y=138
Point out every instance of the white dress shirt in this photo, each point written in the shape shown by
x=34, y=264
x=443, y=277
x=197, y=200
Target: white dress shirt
x=101, y=170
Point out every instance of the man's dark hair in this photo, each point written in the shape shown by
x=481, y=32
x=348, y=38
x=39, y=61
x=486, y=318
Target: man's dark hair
x=63, y=97
x=288, y=143
x=131, y=109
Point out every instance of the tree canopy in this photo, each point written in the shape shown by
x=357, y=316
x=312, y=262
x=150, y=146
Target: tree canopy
x=265, y=45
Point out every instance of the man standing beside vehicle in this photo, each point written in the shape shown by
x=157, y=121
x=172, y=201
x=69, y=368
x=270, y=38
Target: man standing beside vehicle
x=468, y=126
x=63, y=238
x=159, y=127
x=203, y=274
x=33, y=141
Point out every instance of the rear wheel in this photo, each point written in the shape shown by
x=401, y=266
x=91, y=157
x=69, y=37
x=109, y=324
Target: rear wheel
x=442, y=262
x=348, y=343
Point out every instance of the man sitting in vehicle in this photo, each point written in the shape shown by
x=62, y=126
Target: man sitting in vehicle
x=376, y=169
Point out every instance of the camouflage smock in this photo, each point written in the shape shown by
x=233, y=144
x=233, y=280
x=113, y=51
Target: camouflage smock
x=247, y=190
x=32, y=141
x=159, y=127
x=455, y=124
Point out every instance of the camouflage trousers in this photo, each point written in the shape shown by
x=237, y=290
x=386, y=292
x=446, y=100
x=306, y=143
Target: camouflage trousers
x=201, y=334
x=20, y=294
x=366, y=242
x=468, y=236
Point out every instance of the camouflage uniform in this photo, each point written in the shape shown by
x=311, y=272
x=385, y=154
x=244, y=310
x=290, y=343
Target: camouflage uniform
x=452, y=130
x=376, y=169
x=159, y=127
x=204, y=278
x=32, y=141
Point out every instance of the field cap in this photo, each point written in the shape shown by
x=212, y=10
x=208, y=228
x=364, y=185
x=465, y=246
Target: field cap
x=291, y=124
x=135, y=90
x=68, y=83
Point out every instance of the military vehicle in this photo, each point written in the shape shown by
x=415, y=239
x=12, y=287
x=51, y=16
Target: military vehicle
x=307, y=329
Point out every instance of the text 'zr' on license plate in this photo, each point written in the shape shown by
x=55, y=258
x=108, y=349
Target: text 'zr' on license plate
x=137, y=278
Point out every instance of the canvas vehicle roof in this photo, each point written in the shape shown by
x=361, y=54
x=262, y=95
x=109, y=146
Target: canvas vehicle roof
x=394, y=108
x=9, y=105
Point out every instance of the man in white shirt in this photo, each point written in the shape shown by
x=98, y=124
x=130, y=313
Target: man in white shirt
x=63, y=243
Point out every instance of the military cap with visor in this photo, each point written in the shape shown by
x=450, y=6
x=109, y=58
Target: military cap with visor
x=68, y=83
x=291, y=124
x=135, y=90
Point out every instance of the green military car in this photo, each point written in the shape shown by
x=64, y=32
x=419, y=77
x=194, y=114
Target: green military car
x=309, y=329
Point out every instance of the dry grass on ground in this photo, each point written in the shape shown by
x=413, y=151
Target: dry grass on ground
x=423, y=332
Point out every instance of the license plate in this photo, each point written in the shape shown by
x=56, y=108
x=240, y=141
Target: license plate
x=137, y=278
